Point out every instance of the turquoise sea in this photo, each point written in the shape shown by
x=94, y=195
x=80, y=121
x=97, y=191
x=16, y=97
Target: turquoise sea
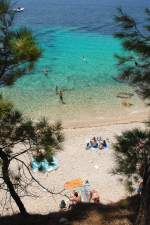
x=78, y=51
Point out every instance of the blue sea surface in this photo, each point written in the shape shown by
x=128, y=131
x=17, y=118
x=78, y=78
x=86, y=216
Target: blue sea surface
x=78, y=51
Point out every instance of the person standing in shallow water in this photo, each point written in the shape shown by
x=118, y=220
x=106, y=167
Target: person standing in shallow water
x=56, y=89
x=45, y=71
x=61, y=96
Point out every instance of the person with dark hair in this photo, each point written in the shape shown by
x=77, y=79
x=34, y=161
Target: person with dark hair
x=94, y=142
x=75, y=198
x=61, y=96
x=104, y=144
x=62, y=205
x=94, y=197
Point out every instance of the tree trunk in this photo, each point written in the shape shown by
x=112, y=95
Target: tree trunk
x=6, y=178
x=144, y=211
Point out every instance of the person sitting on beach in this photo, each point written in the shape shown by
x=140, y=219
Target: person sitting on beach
x=102, y=145
x=94, y=196
x=94, y=142
x=74, y=199
x=63, y=206
x=38, y=154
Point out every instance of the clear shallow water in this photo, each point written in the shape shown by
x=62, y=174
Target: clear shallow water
x=78, y=50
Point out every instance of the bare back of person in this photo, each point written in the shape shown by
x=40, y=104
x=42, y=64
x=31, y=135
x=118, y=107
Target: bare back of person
x=95, y=197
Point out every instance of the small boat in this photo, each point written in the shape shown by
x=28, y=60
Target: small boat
x=19, y=9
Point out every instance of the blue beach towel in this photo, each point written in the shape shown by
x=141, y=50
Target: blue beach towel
x=35, y=165
x=45, y=165
x=107, y=147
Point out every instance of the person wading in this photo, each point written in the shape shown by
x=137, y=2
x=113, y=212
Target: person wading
x=61, y=96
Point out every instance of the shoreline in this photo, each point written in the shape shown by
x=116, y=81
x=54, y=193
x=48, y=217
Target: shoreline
x=72, y=125
x=103, y=125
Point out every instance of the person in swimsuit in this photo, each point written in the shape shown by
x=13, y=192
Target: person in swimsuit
x=94, y=196
x=61, y=96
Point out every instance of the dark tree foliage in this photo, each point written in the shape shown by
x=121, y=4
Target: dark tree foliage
x=29, y=138
x=131, y=154
x=18, y=48
x=18, y=54
x=132, y=149
x=135, y=65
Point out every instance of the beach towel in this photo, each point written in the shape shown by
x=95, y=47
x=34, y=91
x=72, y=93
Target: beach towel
x=85, y=193
x=45, y=165
x=106, y=148
x=73, y=184
x=35, y=165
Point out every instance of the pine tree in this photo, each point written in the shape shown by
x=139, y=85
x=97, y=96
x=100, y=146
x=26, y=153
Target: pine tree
x=18, y=55
x=135, y=65
x=132, y=149
x=18, y=47
x=31, y=139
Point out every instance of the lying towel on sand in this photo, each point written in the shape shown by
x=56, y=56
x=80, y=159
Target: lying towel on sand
x=96, y=148
x=44, y=165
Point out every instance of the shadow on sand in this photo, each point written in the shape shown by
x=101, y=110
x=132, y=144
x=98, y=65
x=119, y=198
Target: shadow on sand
x=121, y=213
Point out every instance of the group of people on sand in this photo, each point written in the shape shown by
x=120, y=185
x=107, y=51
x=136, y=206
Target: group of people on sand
x=97, y=142
x=75, y=198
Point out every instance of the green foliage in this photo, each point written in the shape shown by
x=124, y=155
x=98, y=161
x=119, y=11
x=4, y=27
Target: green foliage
x=39, y=136
x=131, y=151
x=4, y=106
x=135, y=68
x=18, y=48
x=18, y=55
x=39, y=140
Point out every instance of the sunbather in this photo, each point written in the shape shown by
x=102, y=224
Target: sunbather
x=74, y=199
x=94, y=142
x=102, y=145
x=62, y=206
x=94, y=196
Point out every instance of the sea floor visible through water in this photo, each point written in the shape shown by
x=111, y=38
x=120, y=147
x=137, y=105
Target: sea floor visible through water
x=83, y=65
x=85, y=108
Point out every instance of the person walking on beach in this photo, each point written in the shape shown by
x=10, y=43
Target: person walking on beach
x=61, y=96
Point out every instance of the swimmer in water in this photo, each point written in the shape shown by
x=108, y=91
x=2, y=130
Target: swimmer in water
x=45, y=71
x=56, y=89
x=83, y=58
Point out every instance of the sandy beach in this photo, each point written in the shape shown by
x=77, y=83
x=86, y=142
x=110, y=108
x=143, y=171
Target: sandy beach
x=77, y=162
x=78, y=69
